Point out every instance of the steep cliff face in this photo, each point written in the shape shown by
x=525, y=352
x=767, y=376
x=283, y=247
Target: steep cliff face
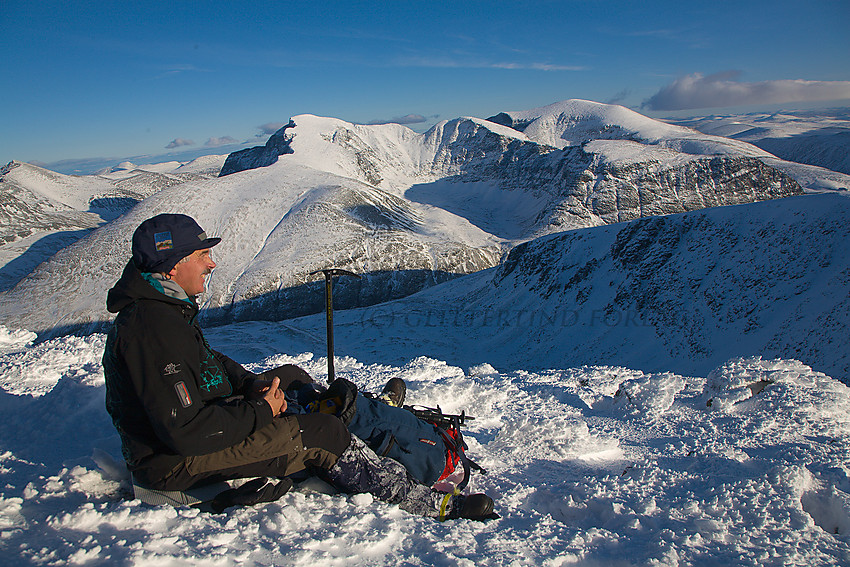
x=599, y=182
x=616, y=191
x=259, y=156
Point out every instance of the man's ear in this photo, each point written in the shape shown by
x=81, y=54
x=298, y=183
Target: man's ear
x=170, y=275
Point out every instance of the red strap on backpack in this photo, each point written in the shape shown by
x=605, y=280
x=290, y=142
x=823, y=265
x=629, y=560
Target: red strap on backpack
x=451, y=437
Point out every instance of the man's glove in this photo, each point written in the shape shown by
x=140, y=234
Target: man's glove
x=340, y=399
x=252, y=492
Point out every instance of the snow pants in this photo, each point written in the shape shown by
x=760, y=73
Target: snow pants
x=314, y=441
x=288, y=445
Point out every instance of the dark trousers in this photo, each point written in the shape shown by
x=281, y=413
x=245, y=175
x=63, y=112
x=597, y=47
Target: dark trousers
x=290, y=444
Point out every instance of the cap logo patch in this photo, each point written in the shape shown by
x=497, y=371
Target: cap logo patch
x=202, y=236
x=163, y=241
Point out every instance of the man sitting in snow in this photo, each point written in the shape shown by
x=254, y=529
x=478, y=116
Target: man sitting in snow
x=188, y=415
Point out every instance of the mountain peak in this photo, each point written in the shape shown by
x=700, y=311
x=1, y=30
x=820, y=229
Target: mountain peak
x=574, y=122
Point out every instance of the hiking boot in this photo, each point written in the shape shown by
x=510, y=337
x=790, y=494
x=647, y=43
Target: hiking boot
x=393, y=393
x=471, y=507
x=477, y=507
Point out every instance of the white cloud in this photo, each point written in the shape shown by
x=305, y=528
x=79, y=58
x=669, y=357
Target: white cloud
x=223, y=141
x=178, y=69
x=538, y=66
x=721, y=89
x=270, y=128
x=407, y=119
x=178, y=142
x=455, y=62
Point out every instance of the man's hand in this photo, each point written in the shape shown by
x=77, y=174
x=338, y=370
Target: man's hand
x=274, y=397
x=259, y=389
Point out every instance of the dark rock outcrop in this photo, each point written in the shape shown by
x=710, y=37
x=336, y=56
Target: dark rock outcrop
x=259, y=156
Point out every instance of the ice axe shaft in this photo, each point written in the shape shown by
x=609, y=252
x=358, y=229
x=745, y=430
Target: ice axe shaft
x=329, y=311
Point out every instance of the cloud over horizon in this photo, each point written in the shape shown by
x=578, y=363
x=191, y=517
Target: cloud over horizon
x=217, y=142
x=270, y=128
x=722, y=90
x=406, y=119
x=179, y=142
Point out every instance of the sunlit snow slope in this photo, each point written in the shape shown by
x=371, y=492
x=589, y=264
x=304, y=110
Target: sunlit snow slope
x=597, y=465
x=679, y=292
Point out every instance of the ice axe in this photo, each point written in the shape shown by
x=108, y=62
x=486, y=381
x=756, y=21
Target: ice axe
x=329, y=311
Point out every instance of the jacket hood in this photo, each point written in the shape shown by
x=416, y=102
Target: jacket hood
x=131, y=287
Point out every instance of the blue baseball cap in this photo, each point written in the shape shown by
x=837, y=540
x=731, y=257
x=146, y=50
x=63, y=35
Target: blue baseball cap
x=162, y=241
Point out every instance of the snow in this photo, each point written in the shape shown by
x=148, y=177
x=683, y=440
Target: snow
x=57, y=189
x=208, y=164
x=15, y=340
x=376, y=199
x=589, y=465
x=573, y=122
x=670, y=391
x=816, y=137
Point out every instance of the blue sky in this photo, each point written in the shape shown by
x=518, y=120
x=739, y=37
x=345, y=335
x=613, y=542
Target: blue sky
x=120, y=79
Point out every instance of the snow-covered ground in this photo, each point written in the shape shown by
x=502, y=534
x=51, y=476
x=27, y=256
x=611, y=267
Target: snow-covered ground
x=590, y=466
x=660, y=461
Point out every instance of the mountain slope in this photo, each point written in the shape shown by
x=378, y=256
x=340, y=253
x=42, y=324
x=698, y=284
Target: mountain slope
x=42, y=211
x=819, y=138
x=278, y=225
x=38, y=200
x=678, y=292
x=409, y=210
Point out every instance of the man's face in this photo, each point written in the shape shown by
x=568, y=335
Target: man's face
x=192, y=273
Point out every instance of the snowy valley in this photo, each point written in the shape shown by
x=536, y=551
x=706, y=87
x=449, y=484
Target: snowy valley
x=648, y=323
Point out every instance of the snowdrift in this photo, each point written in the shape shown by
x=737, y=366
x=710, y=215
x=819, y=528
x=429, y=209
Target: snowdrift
x=590, y=465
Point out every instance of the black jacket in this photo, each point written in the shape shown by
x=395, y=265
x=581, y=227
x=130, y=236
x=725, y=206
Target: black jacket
x=169, y=394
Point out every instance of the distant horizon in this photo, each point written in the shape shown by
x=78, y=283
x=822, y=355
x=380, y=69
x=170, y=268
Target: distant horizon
x=152, y=78
x=93, y=164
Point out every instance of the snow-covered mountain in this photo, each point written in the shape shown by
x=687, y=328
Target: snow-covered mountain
x=629, y=406
x=407, y=210
x=278, y=225
x=39, y=200
x=819, y=138
x=575, y=122
x=679, y=292
x=43, y=211
x=518, y=188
